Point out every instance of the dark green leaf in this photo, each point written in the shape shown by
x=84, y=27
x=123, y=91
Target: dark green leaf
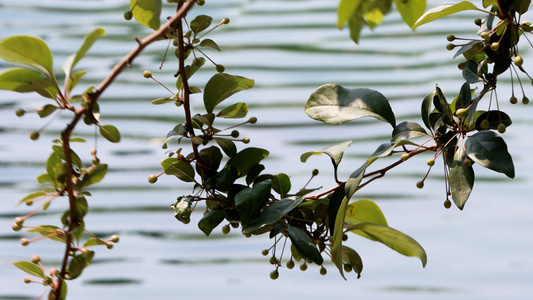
x=407, y=130
x=211, y=220
x=272, y=213
x=221, y=86
x=490, y=150
x=179, y=168
x=189, y=71
x=110, y=133
x=211, y=158
x=336, y=237
x=95, y=175
x=254, y=172
x=335, y=105
x=147, y=12
x=464, y=98
x=352, y=258
x=30, y=268
x=443, y=11
x=251, y=201
x=28, y=50
x=305, y=245
x=247, y=158
x=495, y=118
x=281, y=184
x=237, y=110
x=470, y=72
x=209, y=43
x=56, y=170
x=76, y=160
x=78, y=263
x=426, y=109
x=200, y=23
x=228, y=146
x=461, y=179
x=18, y=80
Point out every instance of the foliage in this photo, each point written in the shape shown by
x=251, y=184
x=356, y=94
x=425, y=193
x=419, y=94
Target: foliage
x=230, y=182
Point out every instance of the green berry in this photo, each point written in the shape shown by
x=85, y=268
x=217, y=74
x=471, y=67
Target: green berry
x=200, y=2
x=35, y=259
x=273, y=260
x=495, y=46
x=430, y=162
x=27, y=279
x=235, y=225
x=347, y=268
x=518, y=61
x=345, y=237
x=323, y=270
x=450, y=38
x=450, y=46
x=246, y=140
x=128, y=15
x=265, y=252
x=404, y=157
x=420, y=184
x=485, y=35
x=461, y=112
x=147, y=74
x=109, y=245
x=478, y=22
x=467, y=163
x=513, y=100
x=525, y=100
x=152, y=178
x=20, y=112
x=235, y=133
x=447, y=203
x=34, y=135
x=303, y=266
x=220, y=68
x=16, y=227
x=290, y=264
x=484, y=124
x=461, y=66
x=24, y=241
x=226, y=229
x=501, y=128
x=114, y=238
x=274, y=274
x=315, y=172
x=225, y=21
x=252, y=120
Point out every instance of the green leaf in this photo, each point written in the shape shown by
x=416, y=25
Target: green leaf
x=221, y=86
x=247, y=158
x=443, y=11
x=211, y=220
x=345, y=10
x=110, y=133
x=487, y=3
x=32, y=196
x=18, y=80
x=281, y=184
x=88, y=41
x=336, y=236
x=76, y=160
x=394, y=239
x=490, y=150
x=50, y=231
x=94, y=242
x=179, y=168
x=250, y=201
x=426, y=109
x=210, y=158
x=197, y=63
x=29, y=51
x=407, y=130
x=305, y=245
x=335, y=105
x=147, y=12
x=78, y=263
x=30, y=268
x=461, y=179
x=46, y=87
x=237, y=110
x=364, y=210
x=410, y=10
x=334, y=152
x=56, y=170
x=162, y=101
x=75, y=78
x=209, y=43
x=200, y=23
x=95, y=175
x=227, y=145
x=273, y=213
x=495, y=118
x=352, y=258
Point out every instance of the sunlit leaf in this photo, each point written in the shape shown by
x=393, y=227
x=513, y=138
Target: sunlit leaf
x=336, y=236
x=30, y=268
x=209, y=43
x=345, y=10
x=50, y=231
x=147, y=12
x=159, y=101
x=179, y=168
x=334, y=152
x=46, y=87
x=407, y=130
x=490, y=150
x=18, y=80
x=410, y=10
x=28, y=50
x=94, y=175
x=200, y=23
x=110, y=133
x=443, y=11
x=237, y=110
x=76, y=160
x=364, y=211
x=221, y=86
x=335, y=105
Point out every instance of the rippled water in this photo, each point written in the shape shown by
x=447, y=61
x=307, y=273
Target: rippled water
x=289, y=48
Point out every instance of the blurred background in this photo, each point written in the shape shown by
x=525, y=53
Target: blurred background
x=289, y=48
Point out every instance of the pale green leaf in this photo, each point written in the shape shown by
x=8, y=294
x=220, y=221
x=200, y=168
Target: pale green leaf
x=443, y=11
x=221, y=86
x=110, y=133
x=18, y=80
x=28, y=50
x=364, y=210
x=410, y=10
x=237, y=110
x=147, y=12
x=30, y=268
x=88, y=41
x=345, y=10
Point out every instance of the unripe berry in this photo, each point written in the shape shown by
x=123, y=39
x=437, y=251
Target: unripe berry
x=430, y=162
x=235, y=133
x=274, y=274
x=35, y=259
x=404, y=156
x=128, y=15
x=450, y=37
x=345, y=237
x=200, y=2
x=235, y=225
x=450, y=46
x=152, y=178
x=265, y=252
x=290, y=264
x=16, y=227
x=220, y=68
x=19, y=220
x=53, y=271
x=34, y=135
x=518, y=61
x=347, y=268
x=447, y=203
x=495, y=46
x=461, y=66
x=24, y=241
x=420, y=184
x=461, y=112
x=303, y=266
x=315, y=172
x=501, y=128
x=484, y=124
x=109, y=245
x=225, y=21
x=323, y=270
x=114, y=238
x=147, y=74
x=525, y=100
x=20, y=112
x=485, y=35
x=246, y=140
x=273, y=260
x=252, y=120
x=478, y=22
x=513, y=100
x=467, y=163
x=225, y=229
x=27, y=279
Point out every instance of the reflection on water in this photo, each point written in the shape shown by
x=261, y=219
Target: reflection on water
x=289, y=48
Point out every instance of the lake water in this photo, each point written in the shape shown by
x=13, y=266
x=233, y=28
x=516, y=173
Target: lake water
x=289, y=48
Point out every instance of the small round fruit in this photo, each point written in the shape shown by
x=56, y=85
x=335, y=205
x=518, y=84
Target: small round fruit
x=467, y=163
x=485, y=35
x=484, y=124
x=24, y=241
x=450, y=46
x=290, y=264
x=226, y=229
x=348, y=268
x=420, y=184
x=20, y=112
x=200, y=2
x=16, y=227
x=147, y=74
x=109, y=245
x=495, y=46
x=513, y=100
x=19, y=220
x=220, y=68
x=430, y=162
x=246, y=140
x=404, y=157
x=53, y=271
x=235, y=134
x=323, y=270
x=128, y=15
x=265, y=252
x=461, y=112
x=518, y=61
x=252, y=120
x=225, y=21
x=273, y=260
x=447, y=203
x=525, y=100
x=345, y=237
x=114, y=238
x=478, y=22
x=315, y=172
x=450, y=37
x=152, y=178
x=274, y=274
x=501, y=128
x=235, y=225
x=35, y=259
x=34, y=135
x=303, y=267
x=27, y=279
x=461, y=66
